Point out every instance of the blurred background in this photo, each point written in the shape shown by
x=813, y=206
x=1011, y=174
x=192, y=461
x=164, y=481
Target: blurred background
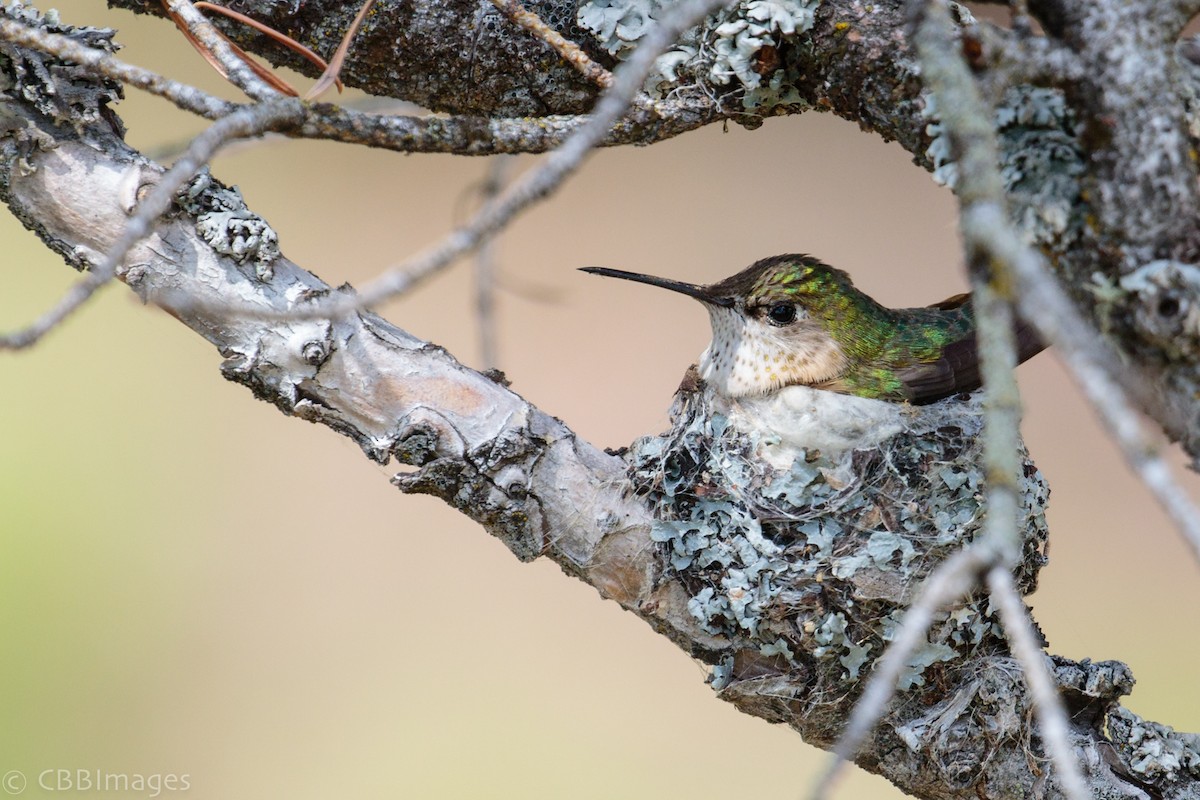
x=193, y=584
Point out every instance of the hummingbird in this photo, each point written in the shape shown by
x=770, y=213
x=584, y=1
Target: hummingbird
x=792, y=319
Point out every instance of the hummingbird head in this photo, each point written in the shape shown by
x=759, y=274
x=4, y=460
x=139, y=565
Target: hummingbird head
x=773, y=323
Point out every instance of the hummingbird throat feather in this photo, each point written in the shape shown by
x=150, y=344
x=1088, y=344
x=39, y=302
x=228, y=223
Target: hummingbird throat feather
x=750, y=357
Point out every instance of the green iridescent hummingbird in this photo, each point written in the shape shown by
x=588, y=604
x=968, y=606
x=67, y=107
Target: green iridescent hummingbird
x=792, y=319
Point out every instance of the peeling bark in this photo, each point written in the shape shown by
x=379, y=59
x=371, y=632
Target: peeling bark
x=964, y=729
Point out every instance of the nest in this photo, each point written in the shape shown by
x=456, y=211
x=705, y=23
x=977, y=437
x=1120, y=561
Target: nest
x=801, y=525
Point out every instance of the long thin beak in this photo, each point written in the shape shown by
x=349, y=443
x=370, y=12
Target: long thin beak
x=690, y=289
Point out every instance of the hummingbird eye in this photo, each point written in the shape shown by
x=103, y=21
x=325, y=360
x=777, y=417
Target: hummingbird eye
x=782, y=313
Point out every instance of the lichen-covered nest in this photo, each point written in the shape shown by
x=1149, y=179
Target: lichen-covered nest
x=801, y=526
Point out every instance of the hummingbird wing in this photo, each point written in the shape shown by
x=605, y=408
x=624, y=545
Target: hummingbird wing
x=956, y=369
x=952, y=302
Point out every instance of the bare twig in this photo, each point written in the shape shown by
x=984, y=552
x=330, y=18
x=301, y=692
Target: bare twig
x=1051, y=714
x=236, y=67
x=482, y=136
x=1002, y=464
x=265, y=75
x=366, y=105
x=249, y=121
x=186, y=97
x=485, y=270
x=952, y=580
x=570, y=52
x=540, y=182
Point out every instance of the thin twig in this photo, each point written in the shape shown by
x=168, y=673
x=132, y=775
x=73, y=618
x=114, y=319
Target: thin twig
x=1002, y=465
x=235, y=67
x=1051, y=714
x=572, y=53
x=265, y=75
x=484, y=136
x=249, y=121
x=366, y=105
x=537, y=183
x=952, y=580
x=266, y=30
x=98, y=61
x=968, y=123
x=485, y=270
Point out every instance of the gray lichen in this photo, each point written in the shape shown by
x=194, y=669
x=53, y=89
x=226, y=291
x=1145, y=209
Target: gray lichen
x=1155, y=752
x=1040, y=162
x=1160, y=297
x=733, y=48
x=1187, y=52
x=67, y=94
x=228, y=226
x=810, y=559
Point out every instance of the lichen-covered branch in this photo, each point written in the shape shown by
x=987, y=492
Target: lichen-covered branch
x=783, y=569
x=1098, y=167
x=464, y=57
x=461, y=135
x=1097, y=120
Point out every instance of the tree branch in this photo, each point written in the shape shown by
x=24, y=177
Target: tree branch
x=1112, y=193
x=784, y=569
x=466, y=59
x=792, y=655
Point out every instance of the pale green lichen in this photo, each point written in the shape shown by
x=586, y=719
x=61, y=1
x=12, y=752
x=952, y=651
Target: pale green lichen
x=725, y=50
x=1040, y=161
x=882, y=548
x=1156, y=751
x=832, y=641
x=971, y=624
x=817, y=557
x=922, y=657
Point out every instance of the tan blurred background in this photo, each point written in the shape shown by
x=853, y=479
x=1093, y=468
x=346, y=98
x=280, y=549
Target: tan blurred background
x=193, y=584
